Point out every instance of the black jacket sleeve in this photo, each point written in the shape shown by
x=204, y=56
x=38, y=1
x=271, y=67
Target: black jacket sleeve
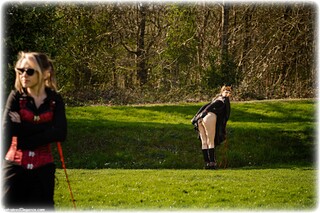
x=196, y=117
x=215, y=106
x=9, y=128
x=55, y=132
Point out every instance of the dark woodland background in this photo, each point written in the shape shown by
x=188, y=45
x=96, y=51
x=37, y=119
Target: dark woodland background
x=117, y=53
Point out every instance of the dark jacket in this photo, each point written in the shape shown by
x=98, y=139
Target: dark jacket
x=221, y=107
x=34, y=134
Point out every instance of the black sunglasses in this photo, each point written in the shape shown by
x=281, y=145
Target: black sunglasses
x=29, y=71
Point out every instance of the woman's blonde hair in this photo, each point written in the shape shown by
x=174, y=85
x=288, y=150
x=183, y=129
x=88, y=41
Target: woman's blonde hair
x=223, y=88
x=40, y=63
x=226, y=88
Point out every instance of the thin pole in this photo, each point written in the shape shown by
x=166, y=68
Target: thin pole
x=65, y=171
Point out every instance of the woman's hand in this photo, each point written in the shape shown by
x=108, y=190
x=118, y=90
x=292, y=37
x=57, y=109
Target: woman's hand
x=15, y=117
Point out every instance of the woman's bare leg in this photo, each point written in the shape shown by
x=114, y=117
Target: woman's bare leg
x=209, y=123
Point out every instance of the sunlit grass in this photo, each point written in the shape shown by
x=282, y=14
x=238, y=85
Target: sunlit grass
x=231, y=189
x=149, y=158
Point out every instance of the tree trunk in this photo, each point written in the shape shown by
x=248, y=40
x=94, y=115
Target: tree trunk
x=141, y=53
x=225, y=35
x=225, y=42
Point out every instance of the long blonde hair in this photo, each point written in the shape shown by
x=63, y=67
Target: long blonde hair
x=41, y=64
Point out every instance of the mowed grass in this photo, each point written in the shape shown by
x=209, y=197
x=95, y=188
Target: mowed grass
x=149, y=158
x=229, y=189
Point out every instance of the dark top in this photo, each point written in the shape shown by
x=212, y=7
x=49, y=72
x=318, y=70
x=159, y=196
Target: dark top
x=34, y=133
x=221, y=107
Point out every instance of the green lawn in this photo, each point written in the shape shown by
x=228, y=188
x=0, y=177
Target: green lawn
x=260, y=133
x=149, y=157
x=229, y=189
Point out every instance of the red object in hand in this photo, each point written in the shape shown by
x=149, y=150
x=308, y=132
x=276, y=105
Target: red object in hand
x=14, y=154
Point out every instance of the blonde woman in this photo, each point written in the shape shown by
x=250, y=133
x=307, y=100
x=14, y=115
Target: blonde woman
x=210, y=122
x=34, y=117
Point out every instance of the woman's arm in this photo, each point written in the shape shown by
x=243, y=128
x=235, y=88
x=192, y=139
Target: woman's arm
x=10, y=128
x=56, y=131
x=215, y=106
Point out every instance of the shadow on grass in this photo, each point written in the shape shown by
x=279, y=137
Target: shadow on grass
x=97, y=144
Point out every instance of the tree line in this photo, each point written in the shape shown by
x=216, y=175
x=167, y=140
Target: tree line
x=127, y=53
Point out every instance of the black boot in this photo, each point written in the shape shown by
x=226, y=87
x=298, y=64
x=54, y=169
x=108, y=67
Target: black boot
x=206, y=158
x=212, y=164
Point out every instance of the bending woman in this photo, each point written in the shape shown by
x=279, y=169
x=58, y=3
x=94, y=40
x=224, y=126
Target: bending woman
x=211, y=121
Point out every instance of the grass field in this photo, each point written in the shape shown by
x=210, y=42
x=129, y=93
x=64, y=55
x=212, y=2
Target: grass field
x=230, y=189
x=149, y=157
x=161, y=136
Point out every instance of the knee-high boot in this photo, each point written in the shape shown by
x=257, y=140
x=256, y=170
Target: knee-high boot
x=205, y=153
x=212, y=159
